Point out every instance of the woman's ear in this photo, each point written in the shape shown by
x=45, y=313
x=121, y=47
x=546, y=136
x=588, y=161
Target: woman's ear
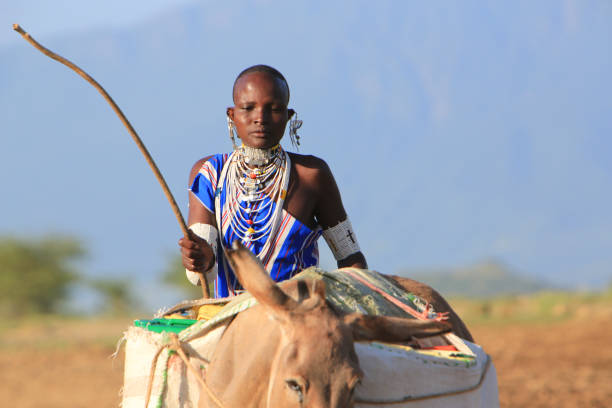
x=230, y=112
x=290, y=113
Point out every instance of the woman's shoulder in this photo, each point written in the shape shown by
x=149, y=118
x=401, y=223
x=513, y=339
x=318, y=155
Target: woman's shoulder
x=213, y=162
x=308, y=162
x=311, y=167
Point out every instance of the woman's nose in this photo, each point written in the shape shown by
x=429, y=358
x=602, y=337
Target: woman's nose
x=261, y=116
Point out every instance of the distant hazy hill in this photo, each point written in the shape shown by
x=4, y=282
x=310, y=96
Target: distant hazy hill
x=488, y=278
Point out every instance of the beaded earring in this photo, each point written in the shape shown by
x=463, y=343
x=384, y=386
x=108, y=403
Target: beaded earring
x=294, y=125
x=230, y=128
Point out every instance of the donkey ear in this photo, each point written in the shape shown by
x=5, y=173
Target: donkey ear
x=303, y=292
x=255, y=279
x=318, y=288
x=392, y=329
x=311, y=292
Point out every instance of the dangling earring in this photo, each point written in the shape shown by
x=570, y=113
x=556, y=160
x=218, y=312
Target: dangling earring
x=230, y=128
x=294, y=125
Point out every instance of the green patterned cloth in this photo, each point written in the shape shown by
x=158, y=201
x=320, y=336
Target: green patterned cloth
x=346, y=291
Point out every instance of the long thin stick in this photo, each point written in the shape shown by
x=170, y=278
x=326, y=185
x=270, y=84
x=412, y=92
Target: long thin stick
x=128, y=125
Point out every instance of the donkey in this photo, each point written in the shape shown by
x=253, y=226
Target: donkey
x=292, y=349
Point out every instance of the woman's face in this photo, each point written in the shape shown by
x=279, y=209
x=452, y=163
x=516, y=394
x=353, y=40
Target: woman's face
x=260, y=113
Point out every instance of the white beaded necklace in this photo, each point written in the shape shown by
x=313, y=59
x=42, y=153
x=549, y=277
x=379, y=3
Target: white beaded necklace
x=255, y=179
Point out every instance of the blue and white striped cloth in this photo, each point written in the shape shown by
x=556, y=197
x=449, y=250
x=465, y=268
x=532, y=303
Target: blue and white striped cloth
x=292, y=247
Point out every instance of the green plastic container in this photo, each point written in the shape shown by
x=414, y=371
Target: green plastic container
x=164, y=325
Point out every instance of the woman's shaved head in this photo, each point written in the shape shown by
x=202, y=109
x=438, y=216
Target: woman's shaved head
x=266, y=69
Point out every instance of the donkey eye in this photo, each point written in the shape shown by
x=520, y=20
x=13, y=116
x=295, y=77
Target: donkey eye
x=294, y=385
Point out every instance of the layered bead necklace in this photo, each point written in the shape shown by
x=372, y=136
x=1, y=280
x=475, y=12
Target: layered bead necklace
x=256, y=178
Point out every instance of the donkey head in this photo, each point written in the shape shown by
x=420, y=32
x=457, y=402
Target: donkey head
x=315, y=364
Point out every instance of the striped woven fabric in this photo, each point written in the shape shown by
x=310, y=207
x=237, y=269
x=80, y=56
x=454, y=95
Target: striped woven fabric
x=284, y=251
x=368, y=292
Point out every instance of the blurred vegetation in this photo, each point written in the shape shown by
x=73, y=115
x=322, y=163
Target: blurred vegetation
x=174, y=275
x=545, y=306
x=117, y=296
x=483, y=279
x=36, y=273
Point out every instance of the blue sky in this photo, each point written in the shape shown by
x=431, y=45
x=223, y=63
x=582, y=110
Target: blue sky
x=63, y=16
x=456, y=131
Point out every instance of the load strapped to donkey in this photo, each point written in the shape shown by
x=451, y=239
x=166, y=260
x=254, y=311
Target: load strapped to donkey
x=169, y=364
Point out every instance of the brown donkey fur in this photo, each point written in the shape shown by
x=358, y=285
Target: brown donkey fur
x=436, y=300
x=292, y=349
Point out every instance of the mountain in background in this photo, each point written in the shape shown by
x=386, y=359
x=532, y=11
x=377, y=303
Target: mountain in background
x=483, y=279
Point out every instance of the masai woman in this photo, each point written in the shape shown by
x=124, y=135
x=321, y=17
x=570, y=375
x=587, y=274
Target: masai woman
x=276, y=203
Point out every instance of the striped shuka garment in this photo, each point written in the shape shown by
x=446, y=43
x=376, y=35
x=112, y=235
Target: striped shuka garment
x=292, y=245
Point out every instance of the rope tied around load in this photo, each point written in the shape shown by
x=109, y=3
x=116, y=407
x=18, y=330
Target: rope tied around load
x=174, y=344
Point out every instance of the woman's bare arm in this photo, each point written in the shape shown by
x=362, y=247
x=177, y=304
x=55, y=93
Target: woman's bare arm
x=329, y=210
x=197, y=254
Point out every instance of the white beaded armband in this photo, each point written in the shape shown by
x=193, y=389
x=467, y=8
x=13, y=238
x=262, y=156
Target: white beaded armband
x=341, y=240
x=209, y=234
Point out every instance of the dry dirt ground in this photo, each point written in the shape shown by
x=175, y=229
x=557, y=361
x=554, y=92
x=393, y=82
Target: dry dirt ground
x=567, y=364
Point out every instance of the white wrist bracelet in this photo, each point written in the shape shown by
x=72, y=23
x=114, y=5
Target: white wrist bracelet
x=209, y=234
x=341, y=240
